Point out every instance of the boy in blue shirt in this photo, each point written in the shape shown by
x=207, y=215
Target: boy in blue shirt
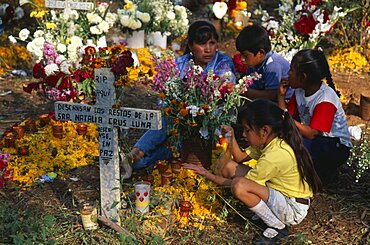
x=253, y=42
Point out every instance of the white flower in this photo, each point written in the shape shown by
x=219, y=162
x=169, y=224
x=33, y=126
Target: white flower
x=198, y=70
x=193, y=110
x=171, y=15
x=144, y=17
x=124, y=20
x=104, y=26
x=61, y=48
x=76, y=41
x=12, y=39
x=51, y=69
x=22, y=2
x=64, y=67
x=23, y=34
x=38, y=33
x=219, y=9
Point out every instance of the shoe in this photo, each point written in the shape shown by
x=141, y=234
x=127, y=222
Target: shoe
x=272, y=235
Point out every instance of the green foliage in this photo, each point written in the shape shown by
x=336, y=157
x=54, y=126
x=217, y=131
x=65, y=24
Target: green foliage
x=24, y=226
x=359, y=158
x=353, y=28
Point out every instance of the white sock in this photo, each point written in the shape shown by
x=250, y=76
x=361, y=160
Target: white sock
x=265, y=213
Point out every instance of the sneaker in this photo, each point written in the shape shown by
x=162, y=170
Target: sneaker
x=272, y=235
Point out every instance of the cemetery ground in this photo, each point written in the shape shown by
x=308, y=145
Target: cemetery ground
x=49, y=211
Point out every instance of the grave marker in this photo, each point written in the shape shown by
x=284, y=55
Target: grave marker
x=108, y=119
x=68, y=4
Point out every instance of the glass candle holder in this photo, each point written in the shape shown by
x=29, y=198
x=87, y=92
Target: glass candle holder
x=44, y=120
x=81, y=129
x=175, y=166
x=185, y=208
x=23, y=150
x=58, y=131
x=19, y=131
x=9, y=141
x=166, y=178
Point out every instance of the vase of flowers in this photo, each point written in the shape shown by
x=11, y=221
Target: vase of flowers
x=299, y=25
x=196, y=105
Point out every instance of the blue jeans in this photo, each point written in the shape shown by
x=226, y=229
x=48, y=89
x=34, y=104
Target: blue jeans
x=327, y=155
x=152, y=143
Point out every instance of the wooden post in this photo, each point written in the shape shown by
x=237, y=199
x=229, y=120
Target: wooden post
x=108, y=119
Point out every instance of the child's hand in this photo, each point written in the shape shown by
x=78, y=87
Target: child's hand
x=198, y=169
x=230, y=87
x=283, y=86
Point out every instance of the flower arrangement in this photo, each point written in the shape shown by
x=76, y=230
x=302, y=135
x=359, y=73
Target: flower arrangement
x=196, y=105
x=233, y=13
x=133, y=16
x=167, y=18
x=63, y=83
x=67, y=31
x=50, y=154
x=301, y=28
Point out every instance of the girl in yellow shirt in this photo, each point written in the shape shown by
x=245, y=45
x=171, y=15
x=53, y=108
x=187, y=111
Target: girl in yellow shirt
x=279, y=188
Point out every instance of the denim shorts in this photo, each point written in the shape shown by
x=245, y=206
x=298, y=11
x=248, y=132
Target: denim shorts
x=286, y=209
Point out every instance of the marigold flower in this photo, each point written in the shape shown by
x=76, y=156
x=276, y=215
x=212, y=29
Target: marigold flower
x=184, y=112
x=162, y=95
x=168, y=110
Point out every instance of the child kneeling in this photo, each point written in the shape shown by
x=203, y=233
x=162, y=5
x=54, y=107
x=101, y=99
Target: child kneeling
x=280, y=186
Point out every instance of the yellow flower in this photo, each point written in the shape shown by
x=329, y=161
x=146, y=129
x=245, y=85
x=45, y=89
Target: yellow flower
x=129, y=6
x=50, y=25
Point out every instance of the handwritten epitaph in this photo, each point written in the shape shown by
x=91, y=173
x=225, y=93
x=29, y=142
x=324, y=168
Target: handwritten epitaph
x=69, y=5
x=108, y=120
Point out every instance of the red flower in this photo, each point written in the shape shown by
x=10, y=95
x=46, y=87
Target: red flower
x=38, y=71
x=31, y=86
x=239, y=66
x=313, y=2
x=305, y=25
x=3, y=165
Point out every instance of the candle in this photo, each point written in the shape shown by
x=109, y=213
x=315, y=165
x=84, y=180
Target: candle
x=19, y=131
x=9, y=141
x=185, y=208
x=166, y=178
x=58, y=131
x=44, y=119
x=23, y=150
x=175, y=166
x=81, y=129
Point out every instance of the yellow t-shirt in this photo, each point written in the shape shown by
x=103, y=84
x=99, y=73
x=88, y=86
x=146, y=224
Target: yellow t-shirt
x=277, y=168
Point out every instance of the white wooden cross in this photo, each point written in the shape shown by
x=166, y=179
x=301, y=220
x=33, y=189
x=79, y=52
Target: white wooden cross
x=108, y=119
x=68, y=4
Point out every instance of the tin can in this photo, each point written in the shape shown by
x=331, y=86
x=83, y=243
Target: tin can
x=89, y=216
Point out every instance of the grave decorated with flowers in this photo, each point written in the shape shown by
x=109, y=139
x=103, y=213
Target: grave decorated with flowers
x=65, y=50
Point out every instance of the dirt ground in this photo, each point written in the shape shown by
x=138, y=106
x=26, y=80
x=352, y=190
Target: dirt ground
x=340, y=215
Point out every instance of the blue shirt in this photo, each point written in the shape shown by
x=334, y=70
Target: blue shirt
x=273, y=68
x=220, y=64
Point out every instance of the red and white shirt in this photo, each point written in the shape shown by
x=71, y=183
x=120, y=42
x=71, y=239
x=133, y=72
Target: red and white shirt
x=322, y=111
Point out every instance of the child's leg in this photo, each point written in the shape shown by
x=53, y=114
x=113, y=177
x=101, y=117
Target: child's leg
x=232, y=169
x=255, y=197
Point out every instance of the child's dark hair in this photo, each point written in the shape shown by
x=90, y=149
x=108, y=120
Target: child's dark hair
x=313, y=63
x=200, y=32
x=262, y=112
x=253, y=38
